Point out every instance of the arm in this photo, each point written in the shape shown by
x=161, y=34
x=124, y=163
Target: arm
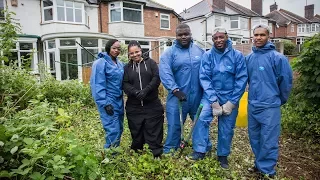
x=284, y=79
x=155, y=81
x=206, y=79
x=241, y=78
x=99, y=84
x=166, y=74
x=127, y=87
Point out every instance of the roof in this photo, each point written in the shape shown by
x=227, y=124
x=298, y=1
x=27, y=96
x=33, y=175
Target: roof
x=203, y=7
x=92, y=1
x=295, y=16
x=316, y=18
x=284, y=17
x=153, y=4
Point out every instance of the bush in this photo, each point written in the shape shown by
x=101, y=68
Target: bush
x=302, y=113
x=289, y=48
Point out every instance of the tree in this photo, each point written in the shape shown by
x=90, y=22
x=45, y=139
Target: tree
x=9, y=30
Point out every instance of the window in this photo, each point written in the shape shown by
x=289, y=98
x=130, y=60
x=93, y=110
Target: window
x=318, y=27
x=292, y=27
x=124, y=11
x=67, y=42
x=48, y=10
x=300, y=29
x=23, y=55
x=313, y=27
x=69, y=11
x=66, y=11
x=244, y=23
x=300, y=40
x=270, y=27
x=218, y=21
x=308, y=28
x=1, y=9
x=164, y=21
x=245, y=42
x=234, y=22
x=92, y=46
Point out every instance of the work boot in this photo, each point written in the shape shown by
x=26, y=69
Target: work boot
x=223, y=162
x=262, y=176
x=253, y=169
x=195, y=156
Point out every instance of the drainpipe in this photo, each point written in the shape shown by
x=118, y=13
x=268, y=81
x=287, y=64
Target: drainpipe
x=100, y=16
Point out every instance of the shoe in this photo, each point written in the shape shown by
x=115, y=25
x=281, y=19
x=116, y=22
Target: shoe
x=253, y=169
x=223, y=162
x=195, y=156
x=262, y=176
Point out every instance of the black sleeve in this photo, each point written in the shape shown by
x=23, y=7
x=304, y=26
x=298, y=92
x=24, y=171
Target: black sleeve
x=155, y=81
x=127, y=87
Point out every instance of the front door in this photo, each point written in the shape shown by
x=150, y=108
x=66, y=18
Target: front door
x=69, y=64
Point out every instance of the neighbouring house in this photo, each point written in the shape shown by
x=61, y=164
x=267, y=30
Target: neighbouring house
x=290, y=26
x=239, y=21
x=51, y=30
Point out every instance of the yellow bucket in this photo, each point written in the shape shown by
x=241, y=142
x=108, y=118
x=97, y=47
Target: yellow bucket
x=242, y=119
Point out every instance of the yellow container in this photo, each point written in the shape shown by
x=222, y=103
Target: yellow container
x=242, y=119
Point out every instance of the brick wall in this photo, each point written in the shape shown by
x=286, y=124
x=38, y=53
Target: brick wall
x=105, y=17
x=281, y=31
x=155, y=53
x=152, y=24
x=292, y=34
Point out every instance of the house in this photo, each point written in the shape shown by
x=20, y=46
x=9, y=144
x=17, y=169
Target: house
x=52, y=29
x=290, y=26
x=239, y=21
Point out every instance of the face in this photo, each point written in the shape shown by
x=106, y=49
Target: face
x=183, y=36
x=115, y=49
x=260, y=37
x=220, y=40
x=135, y=53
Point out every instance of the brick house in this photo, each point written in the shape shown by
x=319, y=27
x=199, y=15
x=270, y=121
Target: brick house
x=147, y=21
x=52, y=29
x=290, y=26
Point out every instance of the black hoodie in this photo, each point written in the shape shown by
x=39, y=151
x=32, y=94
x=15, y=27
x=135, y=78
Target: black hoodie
x=150, y=79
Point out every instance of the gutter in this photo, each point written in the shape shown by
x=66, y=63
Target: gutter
x=100, y=14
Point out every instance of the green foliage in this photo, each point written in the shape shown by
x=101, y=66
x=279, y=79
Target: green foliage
x=289, y=48
x=124, y=53
x=9, y=30
x=301, y=115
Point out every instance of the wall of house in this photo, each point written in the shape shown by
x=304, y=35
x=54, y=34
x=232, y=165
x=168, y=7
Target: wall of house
x=291, y=34
x=152, y=23
x=281, y=31
x=105, y=18
x=126, y=29
x=198, y=29
x=29, y=15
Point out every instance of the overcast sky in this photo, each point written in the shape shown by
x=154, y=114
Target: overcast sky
x=295, y=6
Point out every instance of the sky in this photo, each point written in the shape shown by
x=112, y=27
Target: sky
x=295, y=6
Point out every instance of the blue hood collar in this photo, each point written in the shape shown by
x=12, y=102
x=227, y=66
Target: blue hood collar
x=105, y=56
x=228, y=48
x=269, y=46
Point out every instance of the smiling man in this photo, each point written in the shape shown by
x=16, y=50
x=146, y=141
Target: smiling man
x=179, y=73
x=223, y=76
x=270, y=83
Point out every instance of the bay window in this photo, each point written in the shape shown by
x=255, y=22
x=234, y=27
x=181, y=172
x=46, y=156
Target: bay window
x=1, y=9
x=125, y=11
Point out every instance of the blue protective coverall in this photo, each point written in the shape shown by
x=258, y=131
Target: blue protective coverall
x=270, y=83
x=179, y=69
x=223, y=76
x=106, y=88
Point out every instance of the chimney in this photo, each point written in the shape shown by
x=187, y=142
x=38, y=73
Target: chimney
x=309, y=11
x=256, y=6
x=221, y=4
x=274, y=7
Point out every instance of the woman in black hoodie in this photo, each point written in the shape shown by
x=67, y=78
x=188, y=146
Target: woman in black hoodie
x=143, y=107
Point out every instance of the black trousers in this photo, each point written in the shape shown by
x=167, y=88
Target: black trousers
x=146, y=126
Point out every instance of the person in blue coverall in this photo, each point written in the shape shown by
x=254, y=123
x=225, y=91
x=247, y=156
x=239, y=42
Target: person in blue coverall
x=270, y=83
x=106, y=87
x=179, y=73
x=223, y=76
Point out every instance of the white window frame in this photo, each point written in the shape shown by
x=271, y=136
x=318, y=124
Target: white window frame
x=313, y=28
x=233, y=20
x=217, y=18
x=270, y=27
x=301, y=40
x=54, y=8
x=168, y=15
x=244, y=21
x=122, y=13
x=292, y=28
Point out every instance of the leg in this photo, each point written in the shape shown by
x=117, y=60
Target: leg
x=112, y=126
x=226, y=126
x=200, y=137
x=153, y=134
x=174, y=129
x=269, y=138
x=136, y=126
x=254, y=129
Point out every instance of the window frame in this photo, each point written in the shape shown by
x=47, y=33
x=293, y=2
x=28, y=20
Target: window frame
x=292, y=28
x=168, y=15
x=121, y=7
x=232, y=20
